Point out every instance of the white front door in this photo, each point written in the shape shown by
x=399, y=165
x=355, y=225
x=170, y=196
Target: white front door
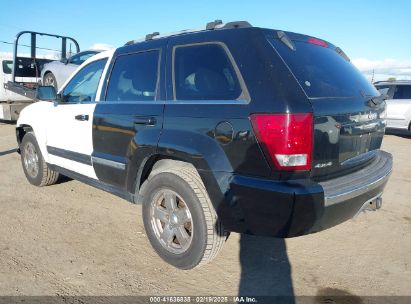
x=70, y=138
x=69, y=141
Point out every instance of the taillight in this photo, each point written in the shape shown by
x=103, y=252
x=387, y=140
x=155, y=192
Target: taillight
x=286, y=139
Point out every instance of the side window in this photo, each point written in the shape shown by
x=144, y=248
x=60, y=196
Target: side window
x=383, y=90
x=7, y=66
x=406, y=94
x=386, y=90
x=134, y=77
x=204, y=72
x=402, y=92
x=83, y=86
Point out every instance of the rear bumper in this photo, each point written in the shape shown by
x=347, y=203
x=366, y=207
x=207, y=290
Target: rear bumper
x=298, y=207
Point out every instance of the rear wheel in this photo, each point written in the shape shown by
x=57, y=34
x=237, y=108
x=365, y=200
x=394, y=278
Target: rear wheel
x=50, y=80
x=179, y=219
x=34, y=166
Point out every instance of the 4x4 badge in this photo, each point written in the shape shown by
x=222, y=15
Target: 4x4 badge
x=323, y=165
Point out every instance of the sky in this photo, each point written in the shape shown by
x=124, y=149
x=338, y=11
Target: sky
x=375, y=34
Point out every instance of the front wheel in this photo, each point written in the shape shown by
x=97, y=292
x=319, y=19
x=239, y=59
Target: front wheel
x=34, y=166
x=179, y=219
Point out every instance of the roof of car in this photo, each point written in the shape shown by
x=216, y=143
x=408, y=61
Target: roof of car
x=393, y=82
x=218, y=25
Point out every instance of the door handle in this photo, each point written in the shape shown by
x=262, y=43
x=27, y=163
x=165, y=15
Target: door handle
x=81, y=117
x=148, y=121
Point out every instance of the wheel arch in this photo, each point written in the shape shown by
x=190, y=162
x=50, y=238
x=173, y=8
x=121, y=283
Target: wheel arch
x=216, y=183
x=44, y=73
x=156, y=162
x=34, y=119
x=54, y=76
x=201, y=151
x=22, y=130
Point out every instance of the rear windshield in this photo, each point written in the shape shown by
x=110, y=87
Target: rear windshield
x=322, y=72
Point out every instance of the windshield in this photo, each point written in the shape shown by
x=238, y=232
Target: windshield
x=322, y=72
x=81, y=57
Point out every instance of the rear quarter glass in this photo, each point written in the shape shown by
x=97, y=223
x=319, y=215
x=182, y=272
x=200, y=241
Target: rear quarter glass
x=321, y=71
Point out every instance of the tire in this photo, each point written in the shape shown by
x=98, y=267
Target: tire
x=34, y=166
x=50, y=80
x=193, y=213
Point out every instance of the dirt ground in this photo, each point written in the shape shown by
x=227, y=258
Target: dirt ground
x=72, y=239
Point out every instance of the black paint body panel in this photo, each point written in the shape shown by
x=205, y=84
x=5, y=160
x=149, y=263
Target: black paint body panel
x=119, y=131
x=217, y=138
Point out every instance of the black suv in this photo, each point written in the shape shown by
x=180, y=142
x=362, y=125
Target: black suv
x=228, y=129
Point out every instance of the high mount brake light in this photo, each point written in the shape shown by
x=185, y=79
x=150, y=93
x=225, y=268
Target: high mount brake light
x=286, y=139
x=317, y=42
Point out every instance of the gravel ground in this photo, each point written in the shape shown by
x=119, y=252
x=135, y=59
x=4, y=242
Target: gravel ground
x=72, y=239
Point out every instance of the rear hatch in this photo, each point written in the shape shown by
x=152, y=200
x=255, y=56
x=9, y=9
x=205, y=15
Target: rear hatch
x=348, y=129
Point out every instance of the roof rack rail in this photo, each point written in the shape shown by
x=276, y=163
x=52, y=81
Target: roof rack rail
x=213, y=25
x=152, y=35
x=397, y=81
x=235, y=24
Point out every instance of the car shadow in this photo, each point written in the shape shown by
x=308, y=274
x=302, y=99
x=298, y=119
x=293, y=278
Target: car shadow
x=2, y=153
x=7, y=122
x=399, y=133
x=63, y=179
x=265, y=269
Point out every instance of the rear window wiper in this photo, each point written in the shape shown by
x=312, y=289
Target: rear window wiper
x=287, y=41
x=342, y=54
x=374, y=101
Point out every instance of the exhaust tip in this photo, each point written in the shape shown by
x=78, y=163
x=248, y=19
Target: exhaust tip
x=372, y=205
x=378, y=202
x=375, y=204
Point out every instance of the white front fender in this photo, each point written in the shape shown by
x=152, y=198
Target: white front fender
x=37, y=116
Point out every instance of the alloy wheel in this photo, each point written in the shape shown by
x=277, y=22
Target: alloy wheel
x=171, y=221
x=31, y=160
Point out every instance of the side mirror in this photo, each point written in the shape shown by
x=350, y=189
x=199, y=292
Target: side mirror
x=47, y=93
x=64, y=60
